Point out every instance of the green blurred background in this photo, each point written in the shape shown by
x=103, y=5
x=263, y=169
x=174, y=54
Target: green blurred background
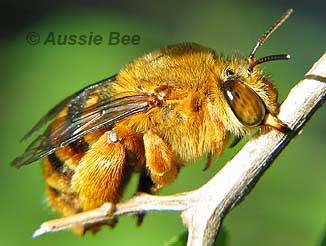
x=287, y=207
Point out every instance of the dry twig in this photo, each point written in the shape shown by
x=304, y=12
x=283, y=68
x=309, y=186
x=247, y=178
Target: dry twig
x=203, y=209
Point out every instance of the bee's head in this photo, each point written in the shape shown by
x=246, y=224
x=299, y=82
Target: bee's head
x=246, y=89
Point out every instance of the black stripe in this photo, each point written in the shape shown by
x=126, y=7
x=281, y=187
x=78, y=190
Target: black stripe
x=56, y=162
x=79, y=146
x=56, y=191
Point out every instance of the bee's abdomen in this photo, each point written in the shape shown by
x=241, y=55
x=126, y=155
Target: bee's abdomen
x=59, y=167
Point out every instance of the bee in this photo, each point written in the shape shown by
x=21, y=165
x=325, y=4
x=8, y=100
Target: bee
x=158, y=113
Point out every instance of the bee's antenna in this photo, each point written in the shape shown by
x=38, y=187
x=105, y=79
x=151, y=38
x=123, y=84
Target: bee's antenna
x=263, y=39
x=268, y=59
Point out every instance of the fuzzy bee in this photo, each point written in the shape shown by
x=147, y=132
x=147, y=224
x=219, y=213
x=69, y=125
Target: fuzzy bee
x=161, y=111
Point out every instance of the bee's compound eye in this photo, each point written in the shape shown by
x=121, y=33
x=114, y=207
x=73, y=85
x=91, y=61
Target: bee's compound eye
x=247, y=106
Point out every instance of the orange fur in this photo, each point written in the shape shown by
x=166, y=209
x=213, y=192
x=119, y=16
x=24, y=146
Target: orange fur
x=159, y=160
x=101, y=169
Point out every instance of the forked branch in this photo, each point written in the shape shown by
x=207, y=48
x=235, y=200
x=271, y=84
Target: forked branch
x=203, y=209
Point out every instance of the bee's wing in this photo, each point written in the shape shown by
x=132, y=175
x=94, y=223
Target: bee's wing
x=73, y=99
x=85, y=120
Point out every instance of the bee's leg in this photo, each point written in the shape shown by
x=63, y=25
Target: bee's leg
x=145, y=185
x=100, y=172
x=208, y=161
x=235, y=141
x=99, y=176
x=161, y=168
x=105, y=169
x=159, y=160
x=274, y=122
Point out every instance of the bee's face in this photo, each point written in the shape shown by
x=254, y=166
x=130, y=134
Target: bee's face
x=246, y=96
x=238, y=88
